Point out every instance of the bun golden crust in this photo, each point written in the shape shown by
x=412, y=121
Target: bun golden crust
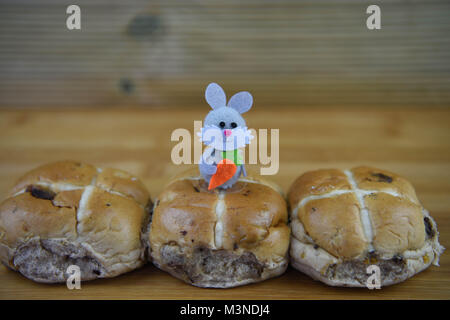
x=334, y=224
x=398, y=224
x=72, y=213
x=317, y=183
x=61, y=173
x=242, y=229
x=341, y=218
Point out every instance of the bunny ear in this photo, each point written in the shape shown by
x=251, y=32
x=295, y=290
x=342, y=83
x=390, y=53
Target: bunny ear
x=215, y=96
x=241, y=101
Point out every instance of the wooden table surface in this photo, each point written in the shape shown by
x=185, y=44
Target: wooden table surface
x=412, y=142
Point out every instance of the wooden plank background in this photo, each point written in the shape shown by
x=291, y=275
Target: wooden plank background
x=163, y=52
x=412, y=142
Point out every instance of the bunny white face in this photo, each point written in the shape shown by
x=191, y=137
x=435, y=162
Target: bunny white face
x=225, y=140
x=225, y=123
x=224, y=118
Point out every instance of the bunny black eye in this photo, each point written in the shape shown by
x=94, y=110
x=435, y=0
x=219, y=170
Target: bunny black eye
x=222, y=124
x=233, y=125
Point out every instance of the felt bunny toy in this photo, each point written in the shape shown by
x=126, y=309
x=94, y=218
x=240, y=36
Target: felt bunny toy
x=224, y=132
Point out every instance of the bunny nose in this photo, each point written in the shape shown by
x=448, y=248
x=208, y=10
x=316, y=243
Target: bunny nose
x=227, y=132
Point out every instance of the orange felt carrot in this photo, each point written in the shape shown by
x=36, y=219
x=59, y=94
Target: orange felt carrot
x=225, y=171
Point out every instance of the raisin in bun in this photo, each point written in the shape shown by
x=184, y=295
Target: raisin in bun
x=344, y=221
x=220, y=238
x=70, y=213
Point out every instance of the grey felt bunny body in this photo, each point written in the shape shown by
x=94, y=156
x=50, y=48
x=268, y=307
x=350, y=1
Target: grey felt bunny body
x=224, y=132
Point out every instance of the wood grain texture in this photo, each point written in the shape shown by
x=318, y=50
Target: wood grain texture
x=412, y=142
x=164, y=52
